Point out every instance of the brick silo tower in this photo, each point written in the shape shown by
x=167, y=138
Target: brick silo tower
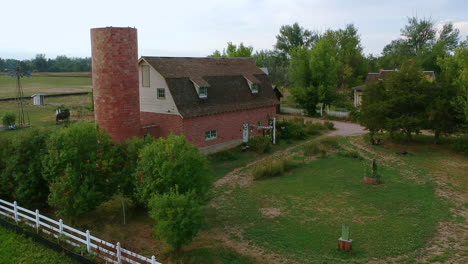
x=115, y=81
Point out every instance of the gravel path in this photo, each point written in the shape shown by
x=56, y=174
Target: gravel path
x=342, y=128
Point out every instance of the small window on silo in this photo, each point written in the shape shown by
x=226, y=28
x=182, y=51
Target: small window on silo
x=145, y=76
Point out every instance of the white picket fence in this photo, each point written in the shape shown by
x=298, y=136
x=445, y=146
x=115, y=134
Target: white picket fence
x=109, y=252
x=339, y=114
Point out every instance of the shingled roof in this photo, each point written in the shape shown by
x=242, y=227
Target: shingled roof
x=226, y=79
x=383, y=74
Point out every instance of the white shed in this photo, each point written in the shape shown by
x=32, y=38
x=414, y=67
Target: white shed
x=38, y=99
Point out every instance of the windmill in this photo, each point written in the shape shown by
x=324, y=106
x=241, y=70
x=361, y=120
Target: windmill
x=17, y=72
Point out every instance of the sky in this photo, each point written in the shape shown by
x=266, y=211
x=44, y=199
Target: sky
x=196, y=28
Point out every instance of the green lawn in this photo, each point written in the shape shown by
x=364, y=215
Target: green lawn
x=48, y=84
x=397, y=217
x=15, y=248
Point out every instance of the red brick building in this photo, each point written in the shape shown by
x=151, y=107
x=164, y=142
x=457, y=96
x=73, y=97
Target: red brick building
x=206, y=99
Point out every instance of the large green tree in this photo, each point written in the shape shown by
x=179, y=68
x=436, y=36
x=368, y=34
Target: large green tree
x=292, y=36
x=80, y=169
x=170, y=162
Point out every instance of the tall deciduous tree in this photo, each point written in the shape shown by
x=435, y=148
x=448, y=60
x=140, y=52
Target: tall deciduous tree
x=292, y=36
x=419, y=33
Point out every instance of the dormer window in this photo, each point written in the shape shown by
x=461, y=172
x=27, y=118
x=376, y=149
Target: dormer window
x=253, y=86
x=203, y=92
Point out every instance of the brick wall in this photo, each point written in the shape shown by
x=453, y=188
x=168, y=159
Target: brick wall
x=229, y=125
x=167, y=123
x=115, y=81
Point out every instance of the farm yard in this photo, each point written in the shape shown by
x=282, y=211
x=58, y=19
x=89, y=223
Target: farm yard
x=417, y=215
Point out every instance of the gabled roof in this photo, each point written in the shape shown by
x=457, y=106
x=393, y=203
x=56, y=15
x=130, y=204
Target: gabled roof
x=226, y=79
x=197, y=68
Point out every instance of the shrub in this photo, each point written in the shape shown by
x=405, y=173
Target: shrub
x=329, y=142
x=25, y=167
x=314, y=128
x=271, y=168
x=311, y=149
x=169, y=162
x=8, y=119
x=178, y=217
x=226, y=155
x=80, y=168
x=260, y=144
x=372, y=171
x=350, y=154
x=289, y=131
x=460, y=144
x=7, y=186
x=329, y=125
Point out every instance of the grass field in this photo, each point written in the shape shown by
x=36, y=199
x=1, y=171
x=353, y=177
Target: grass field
x=47, y=83
x=16, y=249
x=44, y=116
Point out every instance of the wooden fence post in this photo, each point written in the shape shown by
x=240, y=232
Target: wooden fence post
x=88, y=241
x=38, y=222
x=15, y=209
x=119, y=254
x=60, y=226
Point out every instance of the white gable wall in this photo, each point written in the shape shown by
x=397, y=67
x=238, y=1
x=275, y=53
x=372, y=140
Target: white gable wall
x=149, y=101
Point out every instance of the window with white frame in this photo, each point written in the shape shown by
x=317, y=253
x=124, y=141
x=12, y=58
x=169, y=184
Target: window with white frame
x=211, y=134
x=145, y=76
x=254, y=88
x=203, y=92
x=161, y=93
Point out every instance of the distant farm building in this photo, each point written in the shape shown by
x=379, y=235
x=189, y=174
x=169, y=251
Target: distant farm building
x=375, y=77
x=206, y=99
x=38, y=99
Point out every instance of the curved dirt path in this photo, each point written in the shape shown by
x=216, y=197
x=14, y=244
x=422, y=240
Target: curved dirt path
x=238, y=175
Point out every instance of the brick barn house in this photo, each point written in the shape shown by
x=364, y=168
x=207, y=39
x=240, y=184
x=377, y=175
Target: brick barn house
x=206, y=99
x=209, y=100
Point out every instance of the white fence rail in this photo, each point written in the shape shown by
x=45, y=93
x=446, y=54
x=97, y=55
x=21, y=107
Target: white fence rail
x=102, y=249
x=339, y=114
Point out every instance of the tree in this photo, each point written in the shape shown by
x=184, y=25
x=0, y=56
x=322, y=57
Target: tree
x=129, y=152
x=24, y=165
x=419, y=33
x=294, y=36
x=374, y=109
x=169, y=162
x=233, y=51
x=178, y=216
x=455, y=73
x=276, y=63
x=450, y=36
x=305, y=94
x=325, y=67
x=80, y=169
x=351, y=57
x=40, y=63
x=441, y=115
